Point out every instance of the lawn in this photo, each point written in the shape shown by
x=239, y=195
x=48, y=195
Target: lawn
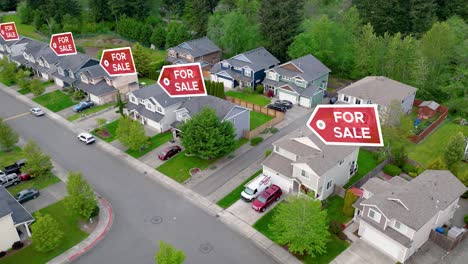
x=23, y=29
x=178, y=167
x=335, y=209
x=24, y=91
x=89, y=111
x=54, y=101
x=69, y=224
x=257, y=119
x=253, y=98
x=8, y=158
x=111, y=128
x=366, y=163
x=233, y=196
x=146, y=81
x=156, y=141
x=38, y=183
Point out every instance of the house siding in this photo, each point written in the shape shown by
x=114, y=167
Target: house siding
x=312, y=180
x=318, y=81
x=339, y=174
x=285, y=153
x=279, y=179
x=258, y=78
x=381, y=224
x=241, y=123
x=169, y=117
x=8, y=233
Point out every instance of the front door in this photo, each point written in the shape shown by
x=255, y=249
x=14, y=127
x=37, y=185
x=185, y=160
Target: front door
x=295, y=187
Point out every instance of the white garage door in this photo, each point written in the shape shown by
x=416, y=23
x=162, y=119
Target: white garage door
x=286, y=96
x=94, y=99
x=227, y=83
x=59, y=82
x=45, y=76
x=153, y=124
x=304, y=101
x=383, y=243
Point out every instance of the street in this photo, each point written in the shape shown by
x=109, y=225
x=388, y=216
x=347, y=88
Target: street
x=144, y=211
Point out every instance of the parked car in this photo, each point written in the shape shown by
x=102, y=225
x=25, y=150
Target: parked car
x=286, y=103
x=86, y=138
x=24, y=176
x=169, y=152
x=15, y=167
x=255, y=187
x=267, y=197
x=26, y=195
x=37, y=111
x=333, y=99
x=277, y=107
x=2, y=174
x=83, y=106
x=9, y=180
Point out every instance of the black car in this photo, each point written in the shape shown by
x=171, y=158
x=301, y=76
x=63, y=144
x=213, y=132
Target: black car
x=277, y=107
x=26, y=195
x=15, y=168
x=286, y=103
x=333, y=99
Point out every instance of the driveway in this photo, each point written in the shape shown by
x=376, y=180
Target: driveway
x=360, y=252
x=243, y=210
x=67, y=112
x=151, y=158
x=48, y=196
x=430, y=253
x=292, y=114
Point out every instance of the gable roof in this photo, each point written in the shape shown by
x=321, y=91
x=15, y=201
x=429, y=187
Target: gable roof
x=424, y=196
x=196, y=104
x=307, y=67
x=95, y=71
x=379, y=89
x=256, y=59
x=49, y=55
x=197, y=47
x=8, y=204
x=430, y=104
x=157, y=93
x=74, y=62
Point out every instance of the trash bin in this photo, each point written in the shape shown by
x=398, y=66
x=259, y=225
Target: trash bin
x=454, y=232
x=439, y=230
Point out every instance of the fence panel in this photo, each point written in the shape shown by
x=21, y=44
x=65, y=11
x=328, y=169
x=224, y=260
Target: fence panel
x=446, y=242
x=442, y=110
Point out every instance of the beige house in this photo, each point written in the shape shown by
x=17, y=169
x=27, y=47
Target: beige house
x=201, y=50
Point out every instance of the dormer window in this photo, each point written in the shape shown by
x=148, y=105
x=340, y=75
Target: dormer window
x=159, y=109
x=60, y=71
x=41, y=63
x=71, y=74
x=46, y=64
x=248, y=73
x=346, y=98
x=271, y=75
x=25, y=56
x=84, y=78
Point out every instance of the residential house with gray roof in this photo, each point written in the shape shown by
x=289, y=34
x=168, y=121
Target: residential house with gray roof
x=5, y=47
x=201, y=50
x=397, y=216
x=244, y=70
x=68, y=66
x=152, y=106
x=14, y=220
x=300, y=161
x=301, y=81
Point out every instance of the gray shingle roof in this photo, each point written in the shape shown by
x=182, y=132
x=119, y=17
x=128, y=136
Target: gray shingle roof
x=279, y=164
x=197, y=47
x=196, y=104
x=430, y=104
x=157, y=93
x=379, y=89
x=256, y=59
x=74, y=62
x=98, y=89
x=8, y=204
x=308, y=68
x=141, y=109
x=49, y=55
x=95, y=71
x=424, y=196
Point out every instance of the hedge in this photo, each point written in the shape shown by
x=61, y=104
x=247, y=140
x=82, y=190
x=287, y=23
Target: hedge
x=392, y=170
x=255, y=141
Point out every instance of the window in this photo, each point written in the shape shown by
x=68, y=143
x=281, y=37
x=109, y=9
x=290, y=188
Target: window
x=397, y=225
x=272, y=75
x=60, y=71
x=46, y=64
x=358, y=101
x=369, y=102
x=159, y=109
x=374, y=215
x=276, y=149
x=346, y=98
x=133, y=99
x=304, y=174
x=25, y=56
x=248, y=73
x=329, y=184
x=71, y=74
x=83, y=78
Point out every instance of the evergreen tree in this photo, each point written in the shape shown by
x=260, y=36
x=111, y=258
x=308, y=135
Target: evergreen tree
x=197, y=13
x=349, y=200
x=99, y=10
x=437, y=164
x=455, y=150
x=142, y=60
x=176, y=33
x=158, y=37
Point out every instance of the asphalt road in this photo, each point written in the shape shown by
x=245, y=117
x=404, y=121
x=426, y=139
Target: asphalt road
x=136, y=201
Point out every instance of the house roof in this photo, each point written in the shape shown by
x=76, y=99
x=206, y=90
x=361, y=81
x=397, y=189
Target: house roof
x=33, y=47
x=197, y=47
x=309, y=91
x=307, y=67
x=256, y=59
x=98, y=89
x=9, y=43
x=95, y=71
x=430, y=104
x=141, y=109
x=74, y=62
x=379, y=89
x=8, y=204
x=157, y=93
x=49, y=55
x=419, y=200
x=222, y=107
x=312, y=151
x=279, y=164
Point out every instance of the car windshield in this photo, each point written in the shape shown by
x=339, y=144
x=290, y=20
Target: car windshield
x=164, y=152
x=262, y=198
x=248, y=191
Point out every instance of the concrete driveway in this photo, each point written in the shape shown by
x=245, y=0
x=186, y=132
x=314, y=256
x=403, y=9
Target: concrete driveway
x=294, y=113
x=243, y=210
x=151, y=158
x=48, y=196
x=430, y=253
x=360, y=252
x=67, y=112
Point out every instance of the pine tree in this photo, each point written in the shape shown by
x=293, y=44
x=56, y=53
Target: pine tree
x=455, y=150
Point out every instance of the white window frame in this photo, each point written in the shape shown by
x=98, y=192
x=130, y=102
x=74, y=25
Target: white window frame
x=402, y=228
x=329, y=184
x=46, y=64
x=60, y=71
x=358, y=101
x=84, y=78
x=345, y=98
x=71, y=74
x=237, y=68
x=304, y=174
x=133, y=99
x=159, y=109
x=377, y=216
x=272, y=75
x=25, y=55
x=247, y=73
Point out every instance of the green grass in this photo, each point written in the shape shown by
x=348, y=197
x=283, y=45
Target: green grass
x=156, y=141
x=69, y=224
x=233, y=196
x=24, y=91
x=257, y=119
x=178, y=166
x=156, y=55
x=89, y=111
x=335, y=209
x=8, y=158
x=38, y=183
x=111, y=127
x=23, y=29
x=252, y=98
x=147, y=81
x=366, y=163
x=54, y=101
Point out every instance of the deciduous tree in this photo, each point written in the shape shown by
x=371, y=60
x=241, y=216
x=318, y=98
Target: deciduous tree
x=349, y=199
x=81, y=199
x=168, y=254
x=142, y=60
x=36, y=87
x=437, y=164
x=47, y=233
x=176, y=33
x=158, y=37
x=131, y=134
x=8, y=137
x=455, y=150
x=38, y=164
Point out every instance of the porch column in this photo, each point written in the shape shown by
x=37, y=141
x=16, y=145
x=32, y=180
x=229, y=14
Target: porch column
x=27, y=229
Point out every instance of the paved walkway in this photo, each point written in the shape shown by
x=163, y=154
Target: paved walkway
x=349, y=231
x=243, y=211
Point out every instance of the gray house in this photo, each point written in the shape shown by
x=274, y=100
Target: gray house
x=68, y=66
x=5, y=47
x=45, y=63
x=301, y=81
x=244, y=70
x=153, y=107
x=201, y=50
x=25, y=51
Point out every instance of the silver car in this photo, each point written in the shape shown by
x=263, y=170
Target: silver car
x=37, y=111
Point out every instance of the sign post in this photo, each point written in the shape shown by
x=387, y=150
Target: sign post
x=8, y=31
x=353, y=125
x=182, y=80
x=118, y=62
x=63, y=44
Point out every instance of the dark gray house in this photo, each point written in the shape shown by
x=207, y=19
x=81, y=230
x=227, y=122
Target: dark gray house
x=68, y=66
x=201, y=50
x=244, y=70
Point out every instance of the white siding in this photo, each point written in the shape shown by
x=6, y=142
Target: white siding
x=45, y=76
x=382, y=242
x=276, y=178
x=8, y=233
x=153, y=124
x=282, y=95
x=95, y=99
x=313, y=178
x=304, y=101
x=59, y=82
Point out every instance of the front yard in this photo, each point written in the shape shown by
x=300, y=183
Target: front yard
x=69, y=224
x=233, y=196
x=366, y=162
x=257, y=119
x=38, y=183
x=44, y=84
x=54, y=101
x=155, y=142
x=90, y=111
x=107, y=132
x=252, y=98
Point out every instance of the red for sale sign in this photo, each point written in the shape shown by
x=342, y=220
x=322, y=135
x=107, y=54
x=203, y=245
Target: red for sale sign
x=356, y=125
x=117, y=62
x=8, y=31
x=182, y=80
x=63, y=44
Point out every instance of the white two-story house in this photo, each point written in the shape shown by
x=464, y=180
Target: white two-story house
x=300, y=161
x=397, y=216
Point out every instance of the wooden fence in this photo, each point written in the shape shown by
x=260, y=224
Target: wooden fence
x=277, y=116
x=442, y=110
x=446, y=242
x=369, y=175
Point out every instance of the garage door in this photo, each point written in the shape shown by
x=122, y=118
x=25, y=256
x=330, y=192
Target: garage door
x=383, y=243
x=45, y=76
x=227, y=83
x=282, y=182
x=286, y=96
x=94, y=99
x=59, y=82
x=304, y=101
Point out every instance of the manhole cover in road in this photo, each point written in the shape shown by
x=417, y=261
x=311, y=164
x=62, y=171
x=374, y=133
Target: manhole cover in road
x=156, y=220
x=206, y=248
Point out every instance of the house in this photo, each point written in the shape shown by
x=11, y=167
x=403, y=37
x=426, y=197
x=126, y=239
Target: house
x=25, y=51
x=45, y=63
x=244, y=70
x=14, y=220
x=301, y=81
x=427, y=109
x=397, y=216
x=201, y=50
x=5, y=47
x=301, y=161
x=152, y=106
x=378, y=90
x=68, y=66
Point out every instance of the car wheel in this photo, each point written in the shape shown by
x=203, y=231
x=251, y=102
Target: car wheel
x=15, y=183
x=262, y=210
x=35, y=196
x=278, y=198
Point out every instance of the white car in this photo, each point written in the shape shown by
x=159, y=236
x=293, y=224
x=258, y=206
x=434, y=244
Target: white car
x=86, y=138
x=37, y=111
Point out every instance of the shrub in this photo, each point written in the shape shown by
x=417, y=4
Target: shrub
x=342, y=236
x=78, y=95
x=95, y=212
x=335, y=227
x=267, y=152
x=101, y=121
x=17, y=245
x=274, y=130
x=2, y=253
x=407, y=167
x=255, y=141
x=248, y=90
x=349, y=199
x=260, y=89
x=466, y=219
x=391, y=170
x=270, y=93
